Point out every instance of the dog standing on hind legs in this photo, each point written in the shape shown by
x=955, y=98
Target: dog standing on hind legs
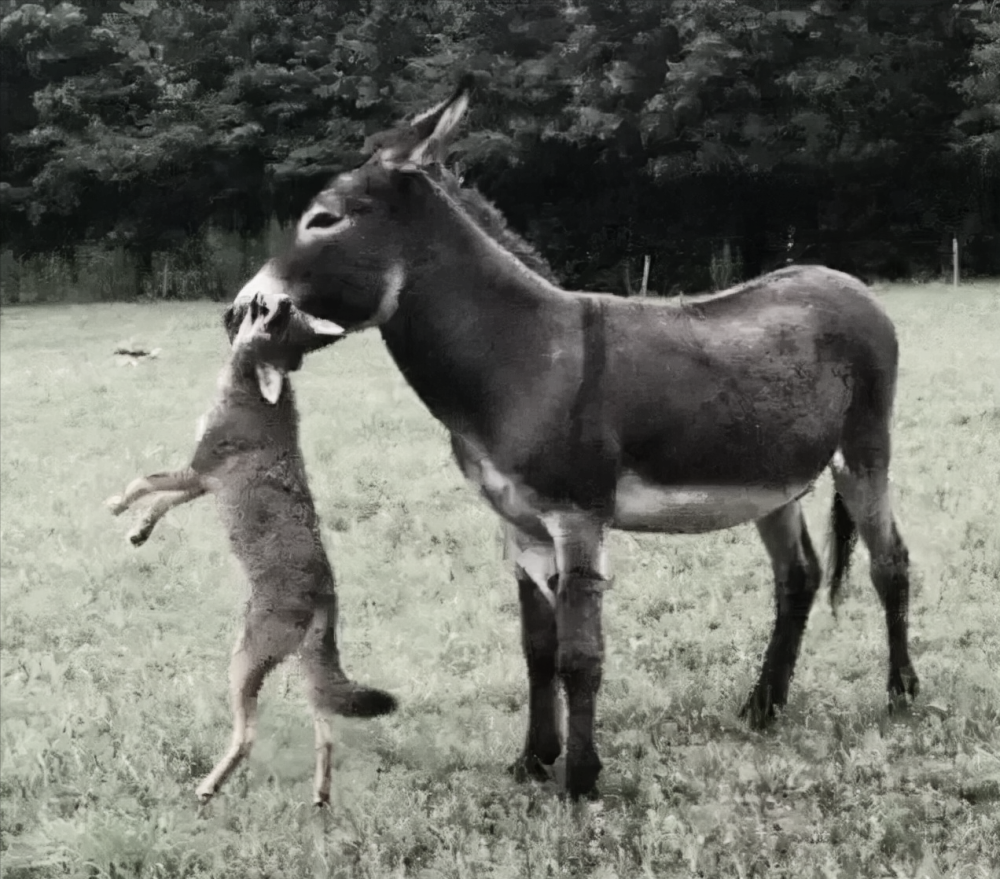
x=248, y=456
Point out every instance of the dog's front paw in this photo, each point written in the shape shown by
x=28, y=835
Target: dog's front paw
x=116, y=504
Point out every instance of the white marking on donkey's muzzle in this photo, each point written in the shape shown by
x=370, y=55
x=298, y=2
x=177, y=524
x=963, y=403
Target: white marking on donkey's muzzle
x=265, y=281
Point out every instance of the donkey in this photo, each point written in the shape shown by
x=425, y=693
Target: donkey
x=578, y=413
x=248, y=456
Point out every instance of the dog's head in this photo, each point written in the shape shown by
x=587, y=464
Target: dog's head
x=268, y=328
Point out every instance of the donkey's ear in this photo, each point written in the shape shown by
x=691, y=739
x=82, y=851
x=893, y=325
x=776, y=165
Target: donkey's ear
x=422, y=143
x=270, y=380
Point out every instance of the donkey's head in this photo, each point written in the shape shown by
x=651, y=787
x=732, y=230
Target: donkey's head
x=358, y=238
x=273, y=337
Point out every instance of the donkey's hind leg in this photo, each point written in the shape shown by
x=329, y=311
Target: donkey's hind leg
x=866, y=495
x=797, y=578
x=267, y=638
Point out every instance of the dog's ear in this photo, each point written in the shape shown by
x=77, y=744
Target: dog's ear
x=324, y=330
x=270, y=380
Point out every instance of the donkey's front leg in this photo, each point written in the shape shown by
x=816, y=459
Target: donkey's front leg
x=579, y=542
x=539, y=640
x=537, y=584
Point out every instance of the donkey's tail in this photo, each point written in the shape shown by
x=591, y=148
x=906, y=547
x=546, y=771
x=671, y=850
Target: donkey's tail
x=843, y=536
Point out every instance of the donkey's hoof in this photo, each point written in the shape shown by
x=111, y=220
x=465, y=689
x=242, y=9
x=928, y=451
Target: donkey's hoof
x=904, y=682
x=321, y=799
x=116, y=504
x=528, y=767
x=758, y=710
x=204, y=792
x=582, y=770
x=591, y=796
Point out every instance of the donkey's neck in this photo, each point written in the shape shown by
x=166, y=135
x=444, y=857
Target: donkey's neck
x=459, y=316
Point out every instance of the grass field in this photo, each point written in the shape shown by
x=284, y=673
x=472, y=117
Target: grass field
x=114, y=660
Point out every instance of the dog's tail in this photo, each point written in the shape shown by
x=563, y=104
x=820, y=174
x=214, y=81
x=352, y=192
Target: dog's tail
x=330, y=690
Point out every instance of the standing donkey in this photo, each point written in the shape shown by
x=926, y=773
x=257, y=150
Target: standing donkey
x=576, y=413
x=248, y=456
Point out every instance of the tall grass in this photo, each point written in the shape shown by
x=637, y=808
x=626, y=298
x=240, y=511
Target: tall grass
x=726, y=267
x=210, y=267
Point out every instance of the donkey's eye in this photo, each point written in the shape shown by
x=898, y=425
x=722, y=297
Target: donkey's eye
x=323, y=220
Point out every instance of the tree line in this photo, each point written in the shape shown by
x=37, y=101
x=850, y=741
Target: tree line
x=860, y=133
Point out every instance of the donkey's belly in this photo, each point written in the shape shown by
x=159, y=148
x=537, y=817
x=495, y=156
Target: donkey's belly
x=694, y=509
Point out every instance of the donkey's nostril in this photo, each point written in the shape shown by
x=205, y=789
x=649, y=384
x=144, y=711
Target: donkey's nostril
x=322, y=220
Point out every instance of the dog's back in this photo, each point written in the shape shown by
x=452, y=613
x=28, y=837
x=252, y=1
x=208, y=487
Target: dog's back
x=249, y=454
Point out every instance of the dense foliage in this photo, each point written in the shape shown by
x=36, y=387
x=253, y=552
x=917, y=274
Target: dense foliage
x=861, y=134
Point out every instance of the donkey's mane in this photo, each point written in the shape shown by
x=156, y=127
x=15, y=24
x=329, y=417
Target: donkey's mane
x=487, y=217
x=473, y=203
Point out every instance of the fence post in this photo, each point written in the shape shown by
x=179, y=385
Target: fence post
x=954, y=262
x=645, y=276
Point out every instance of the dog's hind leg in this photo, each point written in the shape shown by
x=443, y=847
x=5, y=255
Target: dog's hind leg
x=330, y=691
x=324, y=755
x=268, y=637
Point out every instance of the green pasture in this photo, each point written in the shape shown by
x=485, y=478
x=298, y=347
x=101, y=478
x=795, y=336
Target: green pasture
x=114, y=660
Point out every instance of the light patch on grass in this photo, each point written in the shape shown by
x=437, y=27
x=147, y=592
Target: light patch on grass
x=114, y=660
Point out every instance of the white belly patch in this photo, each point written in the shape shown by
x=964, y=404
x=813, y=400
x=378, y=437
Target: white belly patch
x=647, y=506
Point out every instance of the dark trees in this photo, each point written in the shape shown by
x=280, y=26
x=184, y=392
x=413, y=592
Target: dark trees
x=862, y=135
